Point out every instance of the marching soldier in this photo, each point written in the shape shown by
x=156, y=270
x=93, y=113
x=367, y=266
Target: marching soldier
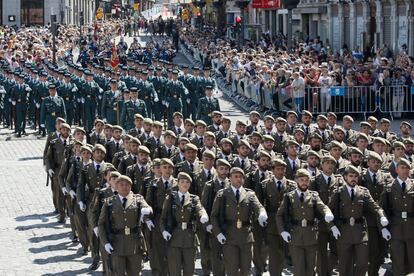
x=139, y=127
x=254, y=118
x=179, y=225
x=131, y=157
x=216, y=117
x=207, y=105
x=350, y=203
x=97, y=136
x=52, y=108
x=131, y=108
x=110, y=109
x=192, y=166
x=120, y=231
x=115, y=145
x=296, y=223
x=20, y=96
x=139, y=170
x=241, y=160
x=231, y=217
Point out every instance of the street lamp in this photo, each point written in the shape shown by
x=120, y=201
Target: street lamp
x=242, y=4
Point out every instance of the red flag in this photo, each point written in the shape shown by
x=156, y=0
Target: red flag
x=95, y=31
x=114, y=59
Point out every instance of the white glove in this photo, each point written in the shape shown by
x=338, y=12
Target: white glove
x=209, y=228
x=262, y=219
x=203, y=219
x=146, y=211
x=186, y=92
x=78, y=100
x=167, y=104
x=166, y=235
x=50, y=172
x=150, y=225
x=42, y=125
x=188, y=101
x=329, y=217
x=335, y=232
x=286, y=236
x=163, y=102
x=64, y=191
x=384, y=221
x=95, y=230
x=83, y=100
x=156, y=100
x=10, y=100
x=72, y=194
x=386, y=234
x=82, y=206
x=13, y=102
x=37, y=106
x=221, y=238
x=99, y=97
x=108, y=248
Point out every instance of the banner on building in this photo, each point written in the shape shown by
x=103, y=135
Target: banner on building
x=266, y=4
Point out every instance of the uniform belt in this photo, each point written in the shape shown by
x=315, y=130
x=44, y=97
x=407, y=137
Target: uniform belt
x=122, y=231
x=234, y=223
x=306, y=222
x=356, y=220
x=184, y=225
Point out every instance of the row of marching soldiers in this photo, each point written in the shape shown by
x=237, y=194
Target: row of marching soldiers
x=317, y=196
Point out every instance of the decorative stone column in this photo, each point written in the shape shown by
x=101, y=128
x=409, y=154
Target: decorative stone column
x=352, y=26
x=329, y=22
x=366, y=19
x=394, y=26
x=341, y=21
x=379, y=20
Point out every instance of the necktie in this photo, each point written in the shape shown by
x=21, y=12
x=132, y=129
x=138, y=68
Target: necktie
x=226, y=157
x=64, y=143
x=374, y=179
x=352, y=194
x=279, y=185
x=169, y=152
x=97, y=168
x=237, y=196
x=117, y=146
x=182, y=200
x=201, y=141
x=306, y=130
x=158, y=142
x=142, y=170
x=403, y=185
x=78, y=158
x=135, y=159
x=255, y=128
x=209, y=175
x=225, y=135
x=124, y=201
x=222, y=184
x=281, y=138
x=166, y=185
x=347, y=135
x=329, y=180
x=242, y=163
x=410, y=159
x=178, y=130
x=262, y=176
x=313, y=173
x=302, y=197
x=188, y=135
x=293, y=165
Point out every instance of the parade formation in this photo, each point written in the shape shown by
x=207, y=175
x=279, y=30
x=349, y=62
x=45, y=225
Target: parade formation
x=145, y=166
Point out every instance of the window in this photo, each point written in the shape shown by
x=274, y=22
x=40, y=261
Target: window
x=32, y=12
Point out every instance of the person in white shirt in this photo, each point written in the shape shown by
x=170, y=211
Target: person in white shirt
x=325, y=83
x=298, y=92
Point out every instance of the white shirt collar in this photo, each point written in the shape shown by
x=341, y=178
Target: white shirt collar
x=121, y=197
x=298, y=191
x=180, y=194
x=96, y=163
x=371, y=173
x=235, y=189
x=326, y=177
x=349, y=188
x=407, y=181
x=169, y=180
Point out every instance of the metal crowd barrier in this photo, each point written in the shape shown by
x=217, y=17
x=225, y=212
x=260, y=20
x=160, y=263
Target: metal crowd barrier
x=396, y=99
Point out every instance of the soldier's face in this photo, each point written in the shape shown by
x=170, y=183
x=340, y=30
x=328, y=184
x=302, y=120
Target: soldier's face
x=190, y=155
x=374, y=165
x=264, y=163
x=351, y=179
x=217, y=119
x=208, y=162
x=331, y=120
x=241, y=129
x=52, y=92
x=292, y=150
x=112, y=182
x=255, y=141
x=157, y=130
x=209, y=93
x=339, y=136
x=64, y=132
x=134, y=96
x=237, y=179
x=268, y=144
x=86, y=156
x=281, y=127
x=378, y=148
x=166, y=170
x=299, y=137
x=200, y=130
x=178, y=121
x=123, y=188
x=336, y=152
x=373, y=124
x=226, y=148
x=225, y=125
x=405, y=130
x=99, y=127
x=254, y=119
x=328, y=167
x=313, y=161
x=127, y=145
x=303, y=182
x=183, y=185
x=243, y=151
x=399, y=152
x=268, y=124
x=133, y=148
x=223, y=172
x=98, y=155
x=79, y=136
x=108, y=133
x=209, y=141
x=143, y=158
x=356, y=159
x=182, y=144
x=76, y=149
x=306, y=119
x=189, y=128
x=157, y=171
x=362, y=143
x=409, y=149
x=169, y=140
x=385, y=127
x=322, y=124
x=117, y=134
x=403, y=172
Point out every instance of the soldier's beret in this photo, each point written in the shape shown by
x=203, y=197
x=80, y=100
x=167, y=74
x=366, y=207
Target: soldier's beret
x=79, y=129
x=348, y=118
x=291, y=112
x=339, y=128
x=372, y=119
x=88, y=73
x=206, y=68
x=196, y=68
x=124, y=178
x=65, y=125
x=60, y=120
x=208, y=87
x=127, y=137
x=114, y=174
x=362, y=136
x=235, y=170
x=280, y=120
x=134, y=140
x=277, y=162
x=306, y=113
x=254, y=112
x=125, y=91
x=99, y=121
x=175, y=72
x=315, y=135
x=114, y=80
x=200, y=123
x=156, y=162
x=351, y=169
x=139, y=116
x=170, y=133
x=157, y=123
x=398, y=144
x=225, y=119
x=375, y=156
x=226, y=140
x=331, y=114
x=216, y=113
x=179, y=114
x=209, y=154
x=183, y=138
x=354, y=150
x=143, y=149
x=298, y=129
x=117, y=127
x=44, y=74
x=209, y=134
x=378, y=140
x=408, y=141
x=222, y=162
x=66, y=74
x=166, y=161
x=335, y=144
x=184, y=176
x=184, y=66
x=190, y=146
x=302, y=173
x=145, y=121
x=189, y=121
x=321, y=117
x=52, y=86
x=133, y=89
x=263, y=153
x=99, y=147
x=268, y=138
x=327, y=158
x=240, y=123
x=365, y=124
x=313, y=153
x=244, y=142
x=109, y=126
x=145, y=72
x=405, y=123
x=268, y=117
x=77, y=142
x=291, y=143
x=404, y=162
x=385, y=121
x=84, y=147
x=256, y=134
